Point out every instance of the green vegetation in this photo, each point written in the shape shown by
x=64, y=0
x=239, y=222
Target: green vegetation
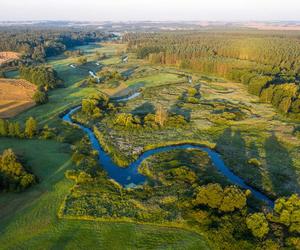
x=226, y=200
x=29, y=220
x=13, y=175
x=44, y=77
x=31, y=127
x=267, y=64
x=186, y=203
x=36, y=44
x=258, y=224
x=40, y=97
x=175, y=195
x=13, y=129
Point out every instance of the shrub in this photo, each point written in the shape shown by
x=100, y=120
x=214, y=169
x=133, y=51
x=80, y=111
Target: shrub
x=225, y=200
x=14, y=176
x=258, y=224
x=40, y=97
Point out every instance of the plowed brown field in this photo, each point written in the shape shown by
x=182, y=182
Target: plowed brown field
x=6, y=56
x=15, y=96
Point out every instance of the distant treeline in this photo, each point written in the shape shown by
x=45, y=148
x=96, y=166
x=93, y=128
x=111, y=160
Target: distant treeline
x=37, y=44
x=268, y=64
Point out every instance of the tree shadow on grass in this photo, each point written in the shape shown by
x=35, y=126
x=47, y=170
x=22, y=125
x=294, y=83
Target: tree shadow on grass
x=178, y=109
x=144, y=109
x=280, y=167
x=232, y=146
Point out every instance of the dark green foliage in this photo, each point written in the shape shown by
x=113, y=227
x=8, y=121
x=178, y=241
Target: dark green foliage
x=94, y=106
x=109, y=76
x=283, y=96
x=187, y=47
x=287, y=212
x=261, y=61
x=37, y=44
x=258, y=224
x=85, y=158
x=40, y=97
x=31, y=127
x=227, y=200
x=220, y=214
x=14, y=129
x=13, y=176
x=4, y=127
x=153, y=121
x=48, y=133
x=10, y=129
x=258, y=83
x=42, y=76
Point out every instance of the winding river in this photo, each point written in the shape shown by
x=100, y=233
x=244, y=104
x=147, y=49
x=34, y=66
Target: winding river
x=129, y=177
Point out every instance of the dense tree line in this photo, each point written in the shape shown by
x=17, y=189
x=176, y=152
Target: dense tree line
x=161, y=118
x=37, y=44
x=13, y=175
x=14, y=129
x=44, y=77
x=268, y=64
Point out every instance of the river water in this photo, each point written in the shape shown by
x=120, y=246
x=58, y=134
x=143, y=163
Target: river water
x=130, y=177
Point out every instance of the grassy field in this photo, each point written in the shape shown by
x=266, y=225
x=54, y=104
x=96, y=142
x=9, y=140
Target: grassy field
x=15, y=97
x=29, y=221
x=154, y=80
x=72, y=94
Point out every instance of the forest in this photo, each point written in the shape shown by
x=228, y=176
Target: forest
x=268, y=63
x=35, y=44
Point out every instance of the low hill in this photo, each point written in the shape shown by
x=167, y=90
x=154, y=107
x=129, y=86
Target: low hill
x=15, y=96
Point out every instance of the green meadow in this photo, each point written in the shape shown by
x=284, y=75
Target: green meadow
x=29, y=219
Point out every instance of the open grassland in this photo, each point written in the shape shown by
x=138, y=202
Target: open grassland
x=6, y=56
x=15, y=97
x=29, y=220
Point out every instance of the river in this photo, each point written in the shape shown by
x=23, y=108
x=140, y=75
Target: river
x=130, y=176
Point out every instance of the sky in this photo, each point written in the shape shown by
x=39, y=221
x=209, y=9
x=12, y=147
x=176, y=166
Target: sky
x=156, y=10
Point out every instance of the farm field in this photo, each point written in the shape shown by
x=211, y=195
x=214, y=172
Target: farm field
x=6, y=56
x=15, y=97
